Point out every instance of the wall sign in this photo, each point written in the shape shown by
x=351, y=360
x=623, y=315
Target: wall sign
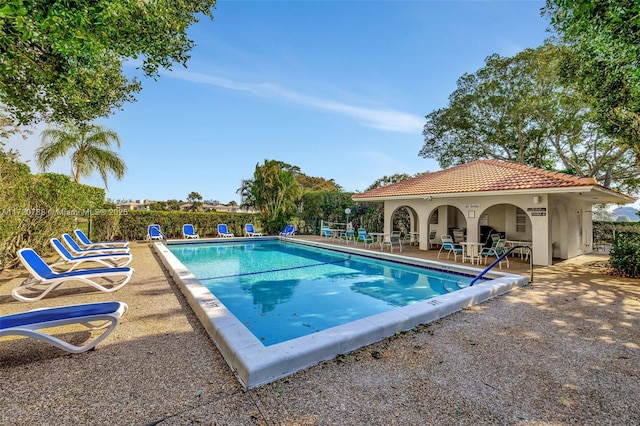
x=537, y=211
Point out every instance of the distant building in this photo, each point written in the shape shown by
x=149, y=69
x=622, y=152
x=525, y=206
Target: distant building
x=185, y=207
x=233, y=209
x=134, y=205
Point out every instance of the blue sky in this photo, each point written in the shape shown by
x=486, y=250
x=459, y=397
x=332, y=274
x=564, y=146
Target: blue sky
x=337, y=88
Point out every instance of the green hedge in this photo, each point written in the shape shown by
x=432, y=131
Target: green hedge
x=132, y=225
x=35, y=208
x=625, y=253
x=624, y=238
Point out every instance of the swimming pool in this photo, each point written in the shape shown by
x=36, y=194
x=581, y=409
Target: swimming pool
x=396, y=293
x=281, y=291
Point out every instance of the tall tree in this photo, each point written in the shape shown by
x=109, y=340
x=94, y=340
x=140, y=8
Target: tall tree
x=9, y=127
x=62, y=60
x=604, y=39
x=317, y=183
x=388, y=180
x=88, y=145
x=516, y=109
x=273, y=191
x=196, y=201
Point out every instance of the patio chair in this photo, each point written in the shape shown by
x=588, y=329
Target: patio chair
x=109, y=260
x=28, y=324
x=325, y=232
x=88, y=244
x=496, y=249
x=79, y=251
x=223, y=231
x=364, y=237
x=188, y=231
x=288, y=231
x=43, y=276
x=348, y=233
x=154, y=233
x=250, y=231
x=394, y=239
x=432, y=239
x=458, y=236
x=450, y=247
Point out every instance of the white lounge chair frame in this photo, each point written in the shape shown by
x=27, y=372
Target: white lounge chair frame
x=288, y=231
x=43, y=276
x=29, y=323
x=156, y=234
x=188, y=231
x=110, y=260
x=86, y=243
x=223, y=231
x=250, y=231
x=76, y=250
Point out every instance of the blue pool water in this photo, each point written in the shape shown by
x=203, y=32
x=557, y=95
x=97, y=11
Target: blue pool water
x=282, y=291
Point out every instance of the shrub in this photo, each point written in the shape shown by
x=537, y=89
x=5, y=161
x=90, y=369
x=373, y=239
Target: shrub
x=625, y=253
x=132, y=225
x=35, y=208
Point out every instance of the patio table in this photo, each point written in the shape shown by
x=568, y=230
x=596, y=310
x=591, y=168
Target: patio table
x=471, y=251
x=378, y=237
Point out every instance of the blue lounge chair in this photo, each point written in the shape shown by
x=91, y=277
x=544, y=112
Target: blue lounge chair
x=110, y=260
x=154, y=233
x=223, y=231
x=29, y=323
x=188, y=231
x=42, y=276
x=79, y=251
x=288, y=231
x=250, y=231
x=86, y=243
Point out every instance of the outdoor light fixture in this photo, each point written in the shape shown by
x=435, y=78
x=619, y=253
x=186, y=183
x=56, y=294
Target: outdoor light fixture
x=536, y=199
x=428, y=198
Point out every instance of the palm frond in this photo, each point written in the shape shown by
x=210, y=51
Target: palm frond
x=55, y=143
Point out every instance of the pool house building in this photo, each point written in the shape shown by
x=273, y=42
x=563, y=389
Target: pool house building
x=548, y=211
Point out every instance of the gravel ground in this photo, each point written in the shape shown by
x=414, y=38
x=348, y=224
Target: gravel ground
x=563, y=350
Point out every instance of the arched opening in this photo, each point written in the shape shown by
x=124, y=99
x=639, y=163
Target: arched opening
x=508, y=221
x=405, y=219
x=446, y=220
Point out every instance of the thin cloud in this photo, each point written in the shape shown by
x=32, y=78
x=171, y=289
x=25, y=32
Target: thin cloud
x=378, y=118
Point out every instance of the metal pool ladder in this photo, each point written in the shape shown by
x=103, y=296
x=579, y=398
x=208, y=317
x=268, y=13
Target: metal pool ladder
x=501, y=257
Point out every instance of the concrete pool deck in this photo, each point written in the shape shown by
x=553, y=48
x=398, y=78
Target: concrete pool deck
x=563, y=350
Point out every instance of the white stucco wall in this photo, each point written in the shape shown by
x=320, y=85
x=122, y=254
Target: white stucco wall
x=571, y=229
x=557, y=225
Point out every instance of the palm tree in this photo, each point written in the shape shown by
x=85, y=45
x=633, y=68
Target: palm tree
x=89, y=144
x=273, y=191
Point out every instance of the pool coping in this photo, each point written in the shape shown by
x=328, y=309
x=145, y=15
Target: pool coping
x=255, y=364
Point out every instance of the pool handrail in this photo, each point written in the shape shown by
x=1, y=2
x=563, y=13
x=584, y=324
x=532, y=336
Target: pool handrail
x=501, y=257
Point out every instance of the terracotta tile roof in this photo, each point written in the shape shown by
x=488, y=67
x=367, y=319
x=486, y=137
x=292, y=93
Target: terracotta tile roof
x=479, y=176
